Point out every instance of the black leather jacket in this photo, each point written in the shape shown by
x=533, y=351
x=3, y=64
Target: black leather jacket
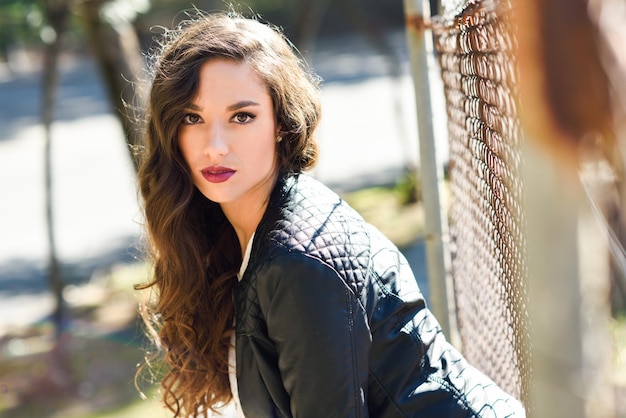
x=330, y=322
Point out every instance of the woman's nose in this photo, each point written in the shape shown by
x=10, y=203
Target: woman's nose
x=216, y=143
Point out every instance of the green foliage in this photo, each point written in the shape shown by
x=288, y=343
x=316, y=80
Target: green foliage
x=385, y=208
x=23, y=23
x=408, y=187
x=20, y=22
x=618, y=332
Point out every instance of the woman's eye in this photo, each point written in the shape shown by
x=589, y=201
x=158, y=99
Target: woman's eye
x=243, y=118
x=191, y=119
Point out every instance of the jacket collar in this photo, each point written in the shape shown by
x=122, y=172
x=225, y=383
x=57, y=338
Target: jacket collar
x=279, y=199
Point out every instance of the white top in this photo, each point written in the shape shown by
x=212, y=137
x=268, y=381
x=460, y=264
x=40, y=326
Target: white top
x=232, y=356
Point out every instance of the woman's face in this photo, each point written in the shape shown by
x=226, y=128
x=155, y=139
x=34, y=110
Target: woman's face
x=228, y=136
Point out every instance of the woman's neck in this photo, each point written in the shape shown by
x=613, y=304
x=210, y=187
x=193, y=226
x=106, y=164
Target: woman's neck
x=244, y=221
x=246, y=214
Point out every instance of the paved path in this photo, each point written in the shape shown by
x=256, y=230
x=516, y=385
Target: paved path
x=367, y=135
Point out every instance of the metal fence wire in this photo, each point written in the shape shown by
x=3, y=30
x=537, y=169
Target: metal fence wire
x=476, y=52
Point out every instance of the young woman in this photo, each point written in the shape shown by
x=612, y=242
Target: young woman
x=273, y=292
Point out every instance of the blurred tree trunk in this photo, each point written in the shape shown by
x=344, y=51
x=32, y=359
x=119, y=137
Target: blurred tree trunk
x=118, y=55
x=309, y=15
x=58, y=376
x=57, y=13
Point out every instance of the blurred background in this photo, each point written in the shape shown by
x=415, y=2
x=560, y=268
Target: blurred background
x=70, y=224
x=528, y=164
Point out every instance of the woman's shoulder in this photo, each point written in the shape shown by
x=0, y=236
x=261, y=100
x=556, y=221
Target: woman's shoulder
x=314, y=234
x=310, y=209
x=304, y=216
x=303, y=190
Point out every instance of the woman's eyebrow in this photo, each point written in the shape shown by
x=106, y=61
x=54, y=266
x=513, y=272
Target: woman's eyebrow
x=241, y=105
x=233, y=107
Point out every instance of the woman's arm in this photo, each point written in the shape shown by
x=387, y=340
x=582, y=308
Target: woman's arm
x=321, y=334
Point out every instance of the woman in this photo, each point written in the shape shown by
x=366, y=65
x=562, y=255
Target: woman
x=272, y=291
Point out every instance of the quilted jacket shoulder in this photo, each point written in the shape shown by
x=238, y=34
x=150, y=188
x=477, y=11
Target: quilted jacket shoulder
x=330, y=322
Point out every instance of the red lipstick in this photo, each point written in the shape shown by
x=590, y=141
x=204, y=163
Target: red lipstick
x=217, y=174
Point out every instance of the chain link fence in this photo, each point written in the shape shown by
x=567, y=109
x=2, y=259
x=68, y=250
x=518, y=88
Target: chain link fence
x=476, y=52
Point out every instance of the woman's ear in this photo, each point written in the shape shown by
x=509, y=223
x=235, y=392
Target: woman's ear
x=279, y=133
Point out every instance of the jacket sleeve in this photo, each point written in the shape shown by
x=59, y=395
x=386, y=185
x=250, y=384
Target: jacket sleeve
x=321, y=334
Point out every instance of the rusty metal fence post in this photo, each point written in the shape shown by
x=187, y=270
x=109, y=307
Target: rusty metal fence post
x=421, y=51
x=571, y=143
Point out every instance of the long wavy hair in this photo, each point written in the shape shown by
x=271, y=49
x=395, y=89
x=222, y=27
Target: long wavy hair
x=193, y=248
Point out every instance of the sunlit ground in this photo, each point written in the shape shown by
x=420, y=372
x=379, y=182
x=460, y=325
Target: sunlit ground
x=104, y=345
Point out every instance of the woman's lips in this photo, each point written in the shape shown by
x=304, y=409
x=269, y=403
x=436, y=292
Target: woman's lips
x=217, y=174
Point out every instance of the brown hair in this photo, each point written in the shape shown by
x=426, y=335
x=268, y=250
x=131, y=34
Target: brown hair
x=194, y=249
